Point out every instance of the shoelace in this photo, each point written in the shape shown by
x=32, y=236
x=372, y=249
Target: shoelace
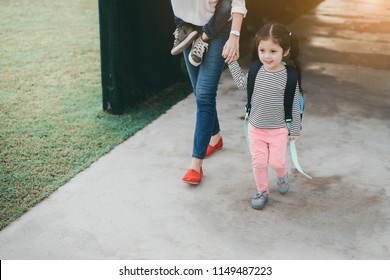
x=200, y=47
x=260, y=195
x=176, y=33
x=283, y=181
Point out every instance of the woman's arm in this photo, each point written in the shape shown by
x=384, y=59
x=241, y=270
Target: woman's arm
x=231, y=50
x=239, y=6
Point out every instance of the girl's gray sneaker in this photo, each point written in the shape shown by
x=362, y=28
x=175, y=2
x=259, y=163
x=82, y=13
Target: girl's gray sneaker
x=283, y=184
x=259, y=200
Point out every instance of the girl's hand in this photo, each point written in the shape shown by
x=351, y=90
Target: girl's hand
x=295, y=138
x=231, y=50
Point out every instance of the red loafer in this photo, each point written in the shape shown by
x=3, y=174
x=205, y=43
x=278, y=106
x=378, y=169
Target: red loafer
x=193, y=177
x=212, y=149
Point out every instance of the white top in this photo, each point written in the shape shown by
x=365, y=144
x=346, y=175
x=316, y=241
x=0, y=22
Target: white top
x=199, y=12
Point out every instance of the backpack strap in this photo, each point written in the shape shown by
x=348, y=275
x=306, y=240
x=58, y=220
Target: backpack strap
x=253, y=70
x=292, y=79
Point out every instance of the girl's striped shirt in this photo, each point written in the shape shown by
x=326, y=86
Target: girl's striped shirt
x=267, y=110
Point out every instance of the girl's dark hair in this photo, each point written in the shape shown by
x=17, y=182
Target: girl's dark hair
x=284, y=38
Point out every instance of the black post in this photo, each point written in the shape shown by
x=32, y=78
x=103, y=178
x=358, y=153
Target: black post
x=108, y=40
x=135, y=41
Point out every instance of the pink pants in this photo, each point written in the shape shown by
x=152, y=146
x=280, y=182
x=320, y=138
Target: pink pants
x=268, y=146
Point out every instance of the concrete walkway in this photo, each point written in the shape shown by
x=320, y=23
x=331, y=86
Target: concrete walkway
x=131, y=204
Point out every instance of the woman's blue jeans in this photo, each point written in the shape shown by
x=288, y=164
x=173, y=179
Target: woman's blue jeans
x=205, y=79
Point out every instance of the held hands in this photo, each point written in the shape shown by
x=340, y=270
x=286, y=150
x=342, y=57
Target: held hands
x=231, y=50
x=295, y=138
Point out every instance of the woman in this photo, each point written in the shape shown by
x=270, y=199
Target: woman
x=205, y=78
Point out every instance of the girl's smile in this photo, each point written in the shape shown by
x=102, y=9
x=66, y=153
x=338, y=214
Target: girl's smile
x=271, y=55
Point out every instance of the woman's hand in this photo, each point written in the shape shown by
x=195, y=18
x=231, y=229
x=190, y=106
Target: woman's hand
x=231, y=50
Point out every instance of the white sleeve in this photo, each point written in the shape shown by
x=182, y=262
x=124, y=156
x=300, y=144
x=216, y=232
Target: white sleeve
x=238, y=6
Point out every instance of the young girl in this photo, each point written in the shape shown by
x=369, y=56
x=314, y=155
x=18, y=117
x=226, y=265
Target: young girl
x=267, y=130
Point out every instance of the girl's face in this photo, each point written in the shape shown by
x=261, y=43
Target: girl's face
x=271, y=55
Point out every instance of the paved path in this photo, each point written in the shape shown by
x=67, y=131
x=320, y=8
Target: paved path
x=130, y=204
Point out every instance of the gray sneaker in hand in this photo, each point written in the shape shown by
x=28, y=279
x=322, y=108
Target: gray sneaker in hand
x=199, y=48
x=184, y=35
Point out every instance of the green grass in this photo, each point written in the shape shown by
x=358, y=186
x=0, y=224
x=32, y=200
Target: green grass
x=51, y=121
